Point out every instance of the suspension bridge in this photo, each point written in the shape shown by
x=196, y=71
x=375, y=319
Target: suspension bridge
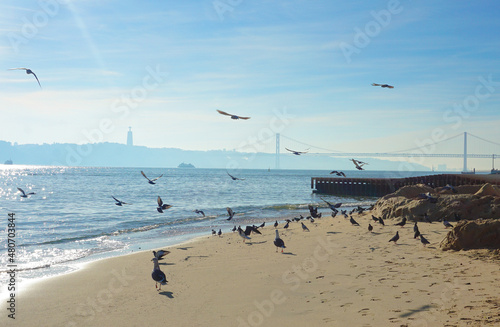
x=492, y=152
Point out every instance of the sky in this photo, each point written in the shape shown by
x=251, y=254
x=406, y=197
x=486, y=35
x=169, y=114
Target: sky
x=300, y=68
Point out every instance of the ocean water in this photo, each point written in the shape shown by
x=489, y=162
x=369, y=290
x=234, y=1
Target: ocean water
x=72, y=218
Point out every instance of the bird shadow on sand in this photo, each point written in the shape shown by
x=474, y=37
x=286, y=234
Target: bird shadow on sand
x=185, y=248
x=375, y=233
x=333, y=233
x=252, y=243
x=166, y=263
x=289, y=253
x=423, y=308
x=195, y=256
x=168, y=294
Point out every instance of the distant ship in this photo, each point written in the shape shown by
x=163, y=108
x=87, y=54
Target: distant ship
x=8, y=162
x=186, y=165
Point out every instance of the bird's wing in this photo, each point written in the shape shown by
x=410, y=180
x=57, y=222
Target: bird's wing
x=156, y=178
x=160, y=202
x=18, y=68
x=290, y=150
x=146, y=177
x=116, y=199
x=36, y=79
x=243, y=117
x=375, y=84
x=223, y=113
x=21, y=190
x=248, y=230
x=230, y=211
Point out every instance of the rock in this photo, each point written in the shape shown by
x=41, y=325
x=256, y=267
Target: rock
x=488, y=189
x=475, y=234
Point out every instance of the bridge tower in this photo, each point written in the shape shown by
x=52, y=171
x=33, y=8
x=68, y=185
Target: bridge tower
x=465, y=152
x=277, y=164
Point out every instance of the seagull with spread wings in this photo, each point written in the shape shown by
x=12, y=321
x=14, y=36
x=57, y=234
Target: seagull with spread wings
x=383, y=85
x=232, y=116
x=359, y=164
x=162, y=206
x=150, y=181
x=235, y=178
x=118, y=202
x=297, y=153
x=28, y=71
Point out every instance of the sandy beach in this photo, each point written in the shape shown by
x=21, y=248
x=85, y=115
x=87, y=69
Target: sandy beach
x=335, y=275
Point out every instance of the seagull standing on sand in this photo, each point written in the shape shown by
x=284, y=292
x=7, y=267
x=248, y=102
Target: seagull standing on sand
x=158, y=275
x=381, y=221
x=423, y=240
x=28, y=71
x=395, y=238
x=24, y=194
x=279, y=243
x=232, y=116
x=276, y=224
x=304, y=227
x=162, y=206
x=354, y=222
x=160, y=254
x=447, y=224
x=370, y=227
x=150, y=181
x=401, y=223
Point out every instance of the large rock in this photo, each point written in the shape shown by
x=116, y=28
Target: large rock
x=476, y=234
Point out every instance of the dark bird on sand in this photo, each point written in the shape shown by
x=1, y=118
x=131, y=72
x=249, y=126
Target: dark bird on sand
x=199, y=211
x=150, y=181
x=381, y=221
x=304, y=227
x=276, y=224
x=383, y=85
x=230, y=212
x=262, y=225
x=235, y=178
x=375, y=218
x=28, y=71
x=401, y=223
x=338, y=173
x=118, y=202
x=160, y=254
x=354, y=222
x=162, y=206
x=395, y=238
x=279, y=243
x=286, y=225
x=424, y=240
x=158, y=275
x=297, y=153
x=447, y=224
x=370, y=227
x=231, y=115
x=417, y=234
x=214, y=232
x=24, y=194
x=219, y=232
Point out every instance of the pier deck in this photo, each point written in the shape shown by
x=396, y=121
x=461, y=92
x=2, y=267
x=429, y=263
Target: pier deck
x=378, y=187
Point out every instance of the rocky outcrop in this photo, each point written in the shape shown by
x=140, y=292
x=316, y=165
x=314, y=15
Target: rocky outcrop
x=477, y=234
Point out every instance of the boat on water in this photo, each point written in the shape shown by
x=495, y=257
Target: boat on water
x=8, y=162
x=186, y=165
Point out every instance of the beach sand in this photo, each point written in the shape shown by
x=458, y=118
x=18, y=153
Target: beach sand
x=334, y=275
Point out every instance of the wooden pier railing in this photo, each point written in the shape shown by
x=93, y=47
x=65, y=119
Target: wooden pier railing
x=377, y=187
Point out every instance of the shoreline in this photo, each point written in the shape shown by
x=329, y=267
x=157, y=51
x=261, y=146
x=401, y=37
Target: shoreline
x=334, y=275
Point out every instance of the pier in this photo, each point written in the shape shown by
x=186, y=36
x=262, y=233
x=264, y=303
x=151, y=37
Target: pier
x=378, y=187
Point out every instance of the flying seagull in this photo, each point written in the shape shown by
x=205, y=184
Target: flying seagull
x=118, y=202
x=297, y=153
x=338, y=173
x=383, y=85
x=359, y=164
x=160, y=254
x=279, y=242
x=162, y=206
x=235, y=178
x=150, y=181
x=158, y=275
x=199, y=211
x=28, y=71
x=230, y=213
x=24, y=194
x=232, y=116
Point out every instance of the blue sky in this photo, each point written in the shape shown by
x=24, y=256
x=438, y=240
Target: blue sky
x=301, y=68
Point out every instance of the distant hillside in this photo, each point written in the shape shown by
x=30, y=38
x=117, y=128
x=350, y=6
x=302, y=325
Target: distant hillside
x=120, y=155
